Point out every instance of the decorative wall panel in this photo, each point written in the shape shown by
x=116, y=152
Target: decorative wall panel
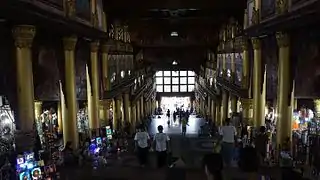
x=46, y=75
x=270, y=57
x=83, y=9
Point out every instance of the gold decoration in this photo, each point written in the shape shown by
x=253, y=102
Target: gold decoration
x=246, y=103
x=256, y=43
x=94, y=46
x=245, y=82
x=69, y=43
x=71, y=8
x=94, y=20
x=244, y=44
x=23, y=35
x=283, y=39
x=112, y=32
x=281, y=6
x=255, y=16
x=105, y=47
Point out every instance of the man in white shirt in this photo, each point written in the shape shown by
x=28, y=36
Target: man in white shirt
x=228, y=134
x=161, y=146
x=142, y=141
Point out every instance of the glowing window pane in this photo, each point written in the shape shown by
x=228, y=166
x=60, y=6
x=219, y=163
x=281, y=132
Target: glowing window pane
x=190, y=80
x=167, y=80
x=175, y=80
x=190, y=73
x=175, y=88
x=183, y=73
x=183, y=88
x=190, y=88
x=166, y=73
x=175, y=73
x=183, y=80
x=159, y=73
x=167, y=88
x=159, y=80
x=159, y=88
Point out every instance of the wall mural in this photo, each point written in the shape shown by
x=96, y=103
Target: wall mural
x=47, y=75
x=238, y=64
x=81, y=76
x=271, y=59
x=307, y=77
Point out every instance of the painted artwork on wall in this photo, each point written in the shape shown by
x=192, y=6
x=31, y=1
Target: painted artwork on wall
x=83, y=9
x=238, y=64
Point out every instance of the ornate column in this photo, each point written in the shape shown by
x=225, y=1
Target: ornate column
x=62, y=111
x=142, y=113
x=245, y=65
x=115, y=115
x=284, y=122
x=133, y=116
x=258, y=87
x=70, y=132
x=93, y=88
x=234, y=102
x=247, y=110
x=105, y=69
x=37, y=109
x=224, y=106
x=218, y=113
x=213, y=110
x=23, y=36
x=126, y=107
x=138, y=108
x=119, y=122
x=208, y=110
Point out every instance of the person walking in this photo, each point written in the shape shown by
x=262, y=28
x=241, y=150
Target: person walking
x=161, y=146
x=142, y=142
x=184, y=125
x=228, y=134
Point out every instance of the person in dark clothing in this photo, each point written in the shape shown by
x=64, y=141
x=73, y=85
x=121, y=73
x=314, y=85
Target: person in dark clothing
x=261, y=142
x=213, y=166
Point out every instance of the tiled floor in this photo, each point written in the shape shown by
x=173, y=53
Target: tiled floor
x=175, y=128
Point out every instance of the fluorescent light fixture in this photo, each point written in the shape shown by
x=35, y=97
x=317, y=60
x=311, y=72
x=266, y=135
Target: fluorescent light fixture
x=174, y=63
x=174, y=34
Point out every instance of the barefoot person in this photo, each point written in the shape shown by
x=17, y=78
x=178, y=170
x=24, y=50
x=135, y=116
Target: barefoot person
x=161, y=146
x=142, y=141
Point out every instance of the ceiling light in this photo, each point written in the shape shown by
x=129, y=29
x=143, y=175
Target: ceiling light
x=174, y=34
x=174, y=63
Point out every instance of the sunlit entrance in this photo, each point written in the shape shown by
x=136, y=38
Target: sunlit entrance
x=175, y=102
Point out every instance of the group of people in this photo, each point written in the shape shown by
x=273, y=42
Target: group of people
x=159, y=143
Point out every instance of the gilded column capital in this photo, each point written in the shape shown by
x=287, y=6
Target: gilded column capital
x=246, y=102
x=69, y=43
x=70, y=8
x=23, y=35
x=256, y=43
x=94, y=46
x=283, y=39
x=105, y=47
x=255, y=16
x=244, y=44
x=281, y=6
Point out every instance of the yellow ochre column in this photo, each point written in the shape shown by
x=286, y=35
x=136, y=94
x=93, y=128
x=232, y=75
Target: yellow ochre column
x=213, y=110
x=127, y=107
x=37, y=109
x=62, y=114
x=59, y=114
x=234, y=102
x=105, y=66
x=246, y=111
x=224, y=106
x=115, y=120
x=70, y=132
x=118, y=113
x=133, y=116
x=142, y=113
x=23, y=36
x=218, y=113
x=245, y=66
x=258, y=92
x=284, y=122
x=138, y=120
x=93, y=88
